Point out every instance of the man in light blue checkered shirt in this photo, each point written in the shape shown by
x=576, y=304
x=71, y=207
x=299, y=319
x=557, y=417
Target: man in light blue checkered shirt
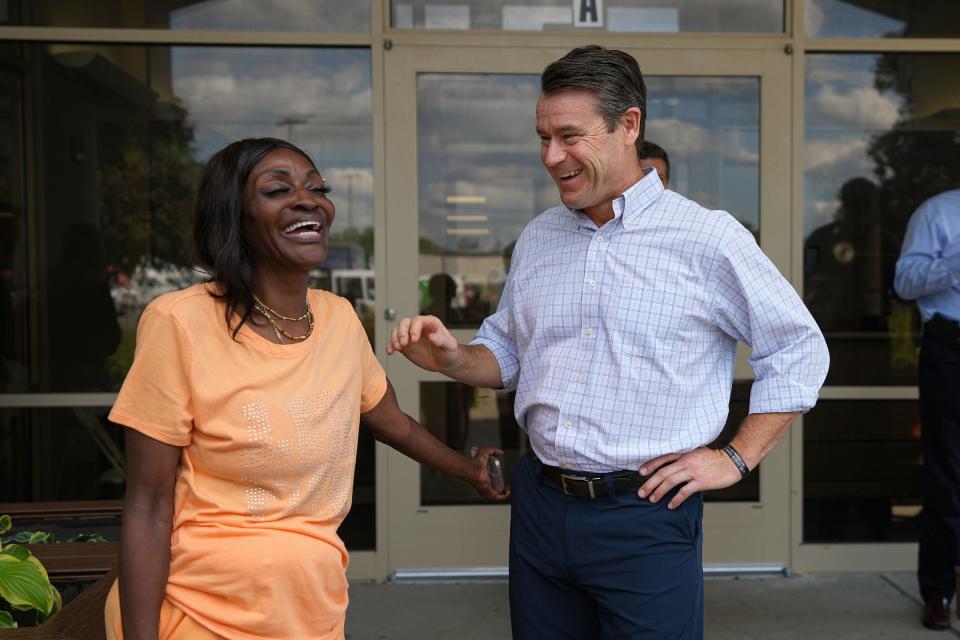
x=618, y=327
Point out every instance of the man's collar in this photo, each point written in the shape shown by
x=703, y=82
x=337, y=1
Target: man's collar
x=640, y=196
x=630, y=205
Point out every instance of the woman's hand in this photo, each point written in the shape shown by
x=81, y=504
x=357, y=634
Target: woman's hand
x=481, y=479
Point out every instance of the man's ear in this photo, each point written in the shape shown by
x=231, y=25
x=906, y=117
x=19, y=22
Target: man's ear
x=630, y=121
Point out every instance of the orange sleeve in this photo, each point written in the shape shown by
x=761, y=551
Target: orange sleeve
x=155, y=398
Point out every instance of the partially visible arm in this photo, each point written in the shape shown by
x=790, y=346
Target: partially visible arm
x=925, y=266
x=706, y=469
x=758, y=434
x=145, y=533
x=393, y=427
x=429, y=345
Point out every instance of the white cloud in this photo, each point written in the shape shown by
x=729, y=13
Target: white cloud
x=822, y=70
x=814, y=17
x=820, y=154
x=734, y=147
x=673, y=133
x=352, y=195
x=861, y=107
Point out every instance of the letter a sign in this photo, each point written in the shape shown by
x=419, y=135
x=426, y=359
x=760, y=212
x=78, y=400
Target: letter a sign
x=588, y=13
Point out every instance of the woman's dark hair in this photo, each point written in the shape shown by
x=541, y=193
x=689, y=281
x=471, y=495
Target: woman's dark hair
x=612, y=76
x=218, y=241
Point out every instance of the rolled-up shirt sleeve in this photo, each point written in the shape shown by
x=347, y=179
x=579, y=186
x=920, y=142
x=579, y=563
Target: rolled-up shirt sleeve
x=754, y=304
x=929, y=263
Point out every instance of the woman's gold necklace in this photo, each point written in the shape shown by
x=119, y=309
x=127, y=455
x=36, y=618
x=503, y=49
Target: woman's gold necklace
x=268, y=313
x=263, y=305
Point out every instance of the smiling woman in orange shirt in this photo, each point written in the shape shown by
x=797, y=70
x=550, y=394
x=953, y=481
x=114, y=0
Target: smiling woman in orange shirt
x=242, y=406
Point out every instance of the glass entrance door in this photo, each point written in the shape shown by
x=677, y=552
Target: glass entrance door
x=463, y=179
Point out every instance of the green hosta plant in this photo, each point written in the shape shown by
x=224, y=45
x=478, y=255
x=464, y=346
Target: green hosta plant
x=24, y=584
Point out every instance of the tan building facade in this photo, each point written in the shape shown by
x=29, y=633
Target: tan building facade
x=819, y=124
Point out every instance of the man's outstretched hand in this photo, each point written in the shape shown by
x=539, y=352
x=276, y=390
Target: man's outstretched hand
x=426, y=343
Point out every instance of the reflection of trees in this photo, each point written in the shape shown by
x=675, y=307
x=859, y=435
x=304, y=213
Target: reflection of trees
x=147, y=199
x=918, y=157
x=915, y=160
x=849, y=263
x=428, y=246
x=148, y=180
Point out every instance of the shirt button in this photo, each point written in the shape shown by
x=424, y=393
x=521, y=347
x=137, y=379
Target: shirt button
x=566, y=465
x=589, y=332
x=599, y=238
x=593, y=284
x=579, y=378
x=567, y=424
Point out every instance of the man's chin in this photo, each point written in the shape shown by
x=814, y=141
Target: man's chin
x=571, y=201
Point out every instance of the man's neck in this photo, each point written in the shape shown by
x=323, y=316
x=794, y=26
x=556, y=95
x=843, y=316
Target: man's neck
x=601, y=213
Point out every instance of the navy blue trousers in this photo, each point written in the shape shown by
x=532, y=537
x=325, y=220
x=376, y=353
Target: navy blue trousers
x=613, y=568
x=940, y=426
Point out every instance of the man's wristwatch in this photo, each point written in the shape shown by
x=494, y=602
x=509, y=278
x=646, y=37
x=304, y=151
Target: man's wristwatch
x=737, y=460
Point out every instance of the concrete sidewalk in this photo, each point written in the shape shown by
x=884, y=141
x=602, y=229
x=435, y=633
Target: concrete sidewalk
x=855, y=607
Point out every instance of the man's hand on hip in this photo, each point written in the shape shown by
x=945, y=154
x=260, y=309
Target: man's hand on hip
x=702, y=469
x=426, y=343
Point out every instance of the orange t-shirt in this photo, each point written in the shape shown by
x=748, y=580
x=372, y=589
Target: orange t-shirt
x=269, y=437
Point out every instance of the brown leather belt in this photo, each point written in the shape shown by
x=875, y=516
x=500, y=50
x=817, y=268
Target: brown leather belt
x=589, y=485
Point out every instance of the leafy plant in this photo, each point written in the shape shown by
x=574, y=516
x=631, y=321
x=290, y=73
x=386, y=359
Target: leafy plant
x=24, y=584
x=42, y=537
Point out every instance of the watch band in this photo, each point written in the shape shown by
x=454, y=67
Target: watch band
x=737, y=460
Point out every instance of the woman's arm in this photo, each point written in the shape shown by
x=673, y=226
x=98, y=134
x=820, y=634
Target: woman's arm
x=392, y=426
x=145, y=533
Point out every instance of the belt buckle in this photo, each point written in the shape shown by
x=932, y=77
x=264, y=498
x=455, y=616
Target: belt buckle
x=563, y=484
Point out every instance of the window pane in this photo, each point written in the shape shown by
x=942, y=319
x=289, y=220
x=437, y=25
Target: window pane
x=60, y=454
x=882, y=19
x=121, y=135
x=480, y=182
x=862, y=466
x=464, y=417
x=663, y=16
x=710, y=128
x=481, y=179
x=237, y=15
x=880, y=138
